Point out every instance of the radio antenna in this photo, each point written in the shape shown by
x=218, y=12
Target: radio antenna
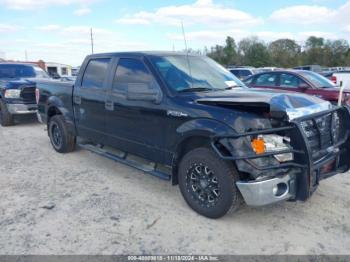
x=186, y=49
x=184, y=35
x=92, y=41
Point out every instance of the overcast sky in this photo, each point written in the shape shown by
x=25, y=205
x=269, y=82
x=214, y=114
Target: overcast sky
x=58, y=30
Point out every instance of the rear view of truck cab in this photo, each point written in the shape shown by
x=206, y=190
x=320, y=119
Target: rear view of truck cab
x=220, y=141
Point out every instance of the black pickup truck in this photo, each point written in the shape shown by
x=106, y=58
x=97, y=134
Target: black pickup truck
x=17, y=90
x=187, y=119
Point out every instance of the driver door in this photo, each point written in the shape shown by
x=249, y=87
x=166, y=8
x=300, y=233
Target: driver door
x=135, y=125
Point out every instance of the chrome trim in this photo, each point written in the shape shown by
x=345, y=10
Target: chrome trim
x=260, y=193
x=297, y=112
x=39, y=117
x=21, y=108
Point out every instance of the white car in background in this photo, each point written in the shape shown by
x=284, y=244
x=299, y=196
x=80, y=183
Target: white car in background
x=342, y=78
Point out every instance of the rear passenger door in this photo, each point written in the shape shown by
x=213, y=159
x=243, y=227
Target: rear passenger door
x=89, y=100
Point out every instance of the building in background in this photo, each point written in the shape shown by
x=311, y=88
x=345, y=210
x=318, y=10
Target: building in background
x=75, y=70
x=56, y=70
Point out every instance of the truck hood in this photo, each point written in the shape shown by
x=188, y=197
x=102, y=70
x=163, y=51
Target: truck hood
x=14, y=83
x=278, y=104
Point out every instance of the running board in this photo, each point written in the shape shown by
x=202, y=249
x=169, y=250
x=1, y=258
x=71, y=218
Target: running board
x=141, y=164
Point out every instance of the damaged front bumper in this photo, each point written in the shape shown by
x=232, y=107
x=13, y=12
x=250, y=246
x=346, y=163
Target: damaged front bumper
x=265, y=192
x=315, y=158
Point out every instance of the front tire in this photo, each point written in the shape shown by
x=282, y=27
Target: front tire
x=207, y=183
x=6, y=118
x=61, y=140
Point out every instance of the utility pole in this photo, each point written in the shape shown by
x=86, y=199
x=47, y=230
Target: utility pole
x=25, y=55
x=92, y=41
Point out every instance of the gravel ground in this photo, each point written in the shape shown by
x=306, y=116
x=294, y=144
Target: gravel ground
x=81, y=203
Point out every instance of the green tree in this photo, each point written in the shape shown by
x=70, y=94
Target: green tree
x=284, y=53
x=253, y=52
x=217, y=53
x=230, y=53
x=338, y=52
x=314, y=51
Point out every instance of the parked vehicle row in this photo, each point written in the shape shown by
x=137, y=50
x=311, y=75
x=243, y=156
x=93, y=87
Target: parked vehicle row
x=301, y=81
x=190, y=121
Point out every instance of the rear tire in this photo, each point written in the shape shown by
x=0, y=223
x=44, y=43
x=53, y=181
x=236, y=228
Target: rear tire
x=6, y=119
x=207, y=183
x=61, y=140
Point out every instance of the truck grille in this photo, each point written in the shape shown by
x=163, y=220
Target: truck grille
x=322, y=133
x=28, y=95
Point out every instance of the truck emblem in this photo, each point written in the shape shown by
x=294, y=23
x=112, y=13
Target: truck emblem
x=176, y=113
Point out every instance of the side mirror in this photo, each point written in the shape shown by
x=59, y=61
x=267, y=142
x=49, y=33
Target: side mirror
x=144, y=92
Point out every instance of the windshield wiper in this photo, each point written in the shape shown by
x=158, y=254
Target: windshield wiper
x=196, y=89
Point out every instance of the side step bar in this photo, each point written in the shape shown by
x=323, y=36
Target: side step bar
x=150, y=168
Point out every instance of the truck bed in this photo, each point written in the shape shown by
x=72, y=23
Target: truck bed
x=55, y=89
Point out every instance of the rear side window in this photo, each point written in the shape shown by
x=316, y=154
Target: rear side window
x=248, y=80
x=245, y=73
x=95, y=73
x=266, y=80
x=235, y=72
x=132, y=72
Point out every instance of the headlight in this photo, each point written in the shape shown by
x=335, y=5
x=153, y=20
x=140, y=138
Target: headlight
x=12, y=93
x=272, y=143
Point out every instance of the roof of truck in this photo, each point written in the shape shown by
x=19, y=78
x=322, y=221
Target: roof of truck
x=144, y=53
x=18, y=63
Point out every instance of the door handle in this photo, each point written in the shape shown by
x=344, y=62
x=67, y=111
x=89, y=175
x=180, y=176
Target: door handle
x=109, y=105
x=77, y=100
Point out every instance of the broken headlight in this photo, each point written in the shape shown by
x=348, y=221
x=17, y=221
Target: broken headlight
x=273, y=143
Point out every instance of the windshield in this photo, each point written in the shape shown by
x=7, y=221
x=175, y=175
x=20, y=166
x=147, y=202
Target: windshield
x=317, y=80
x=194, y=73
x=40, y=73
x=19, y=71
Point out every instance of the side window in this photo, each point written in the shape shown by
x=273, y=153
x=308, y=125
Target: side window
x=95, y=73
x=289, y=81
x=235, y=72
x=132, y=72
x=245, y=73
x=266, y=80
x=248, y=80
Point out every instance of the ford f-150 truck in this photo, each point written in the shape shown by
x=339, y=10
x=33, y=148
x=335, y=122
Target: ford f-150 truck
x=17, y=90
x=186, y=119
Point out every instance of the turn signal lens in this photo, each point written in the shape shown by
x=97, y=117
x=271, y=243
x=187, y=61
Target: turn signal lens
x=37, y=95
x=258, y=145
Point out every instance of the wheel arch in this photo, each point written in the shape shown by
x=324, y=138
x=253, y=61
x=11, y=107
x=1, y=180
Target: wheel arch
x=192, y=138
x=55, y=106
